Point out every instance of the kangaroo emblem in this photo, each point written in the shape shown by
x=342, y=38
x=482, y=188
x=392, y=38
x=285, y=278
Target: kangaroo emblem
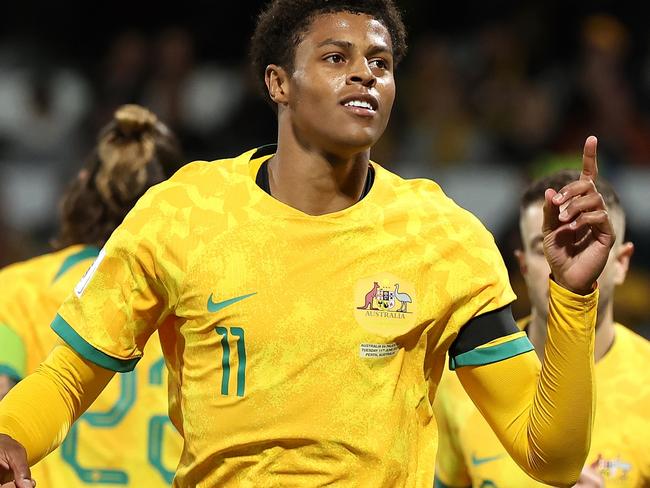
x=369, y=297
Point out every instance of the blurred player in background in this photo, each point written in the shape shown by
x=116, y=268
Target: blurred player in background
x=125, y=438
x=306, y=297
x=471, y=455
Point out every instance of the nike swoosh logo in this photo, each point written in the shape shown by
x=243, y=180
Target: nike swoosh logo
x=216, y=306
x=478, y=461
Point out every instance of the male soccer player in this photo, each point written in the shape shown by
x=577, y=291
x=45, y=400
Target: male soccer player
x=619, y=455
x=126, y=438
x=306, y=298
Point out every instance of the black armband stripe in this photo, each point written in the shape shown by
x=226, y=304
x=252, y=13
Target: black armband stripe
x=466, y=350
x=483, y=329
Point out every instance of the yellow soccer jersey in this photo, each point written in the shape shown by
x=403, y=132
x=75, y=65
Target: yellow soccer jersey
x=303, y=350
x=31, y=293
x=125, y=438
x=619, y=443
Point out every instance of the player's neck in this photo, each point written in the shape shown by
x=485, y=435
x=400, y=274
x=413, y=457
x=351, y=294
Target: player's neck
x=314, y=182
x=605, y=332
x=536, y=332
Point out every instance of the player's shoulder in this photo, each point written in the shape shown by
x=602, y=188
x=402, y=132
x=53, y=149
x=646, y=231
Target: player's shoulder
x=191, y=197
x=27, y=282
x=201, y=179
x=36, y=269
x=15, y=271
x=429, y=200
x=413, y=189
x=197, y=172
x=634, y=346
x=205, y=174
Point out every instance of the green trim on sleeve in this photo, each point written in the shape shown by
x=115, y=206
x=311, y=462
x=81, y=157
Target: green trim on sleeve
x=439, y=484
x=13, y=355
x=88, y=351
x=10, y=372
x=85, y=253
x=488, y=355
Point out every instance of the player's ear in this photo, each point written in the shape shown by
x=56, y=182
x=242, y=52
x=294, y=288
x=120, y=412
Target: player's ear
x=521, y=260
x=623, y=256
x=277, y=83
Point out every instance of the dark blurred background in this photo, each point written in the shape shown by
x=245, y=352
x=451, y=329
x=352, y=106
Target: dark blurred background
x=490, y=95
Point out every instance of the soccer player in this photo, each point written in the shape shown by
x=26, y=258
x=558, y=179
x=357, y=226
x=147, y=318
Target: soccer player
x=125, y=438
x=306, y=298
x=619, y=455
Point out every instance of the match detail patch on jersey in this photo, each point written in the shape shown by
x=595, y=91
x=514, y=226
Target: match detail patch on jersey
x=88, y=275
x=385, y=304
x=368, y=350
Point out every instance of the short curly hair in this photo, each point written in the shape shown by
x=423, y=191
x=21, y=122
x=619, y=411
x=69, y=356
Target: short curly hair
x=281, y=25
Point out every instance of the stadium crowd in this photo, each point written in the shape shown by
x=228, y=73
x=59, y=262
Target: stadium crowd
x=506, y=93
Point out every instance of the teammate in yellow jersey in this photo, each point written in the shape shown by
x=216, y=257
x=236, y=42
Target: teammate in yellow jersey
x=470, y=454
x=306, y=298
x=125, y=438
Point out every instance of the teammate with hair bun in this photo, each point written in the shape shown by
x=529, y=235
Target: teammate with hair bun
x=125, y=438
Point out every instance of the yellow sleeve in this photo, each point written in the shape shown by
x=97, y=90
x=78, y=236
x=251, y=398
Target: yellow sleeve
x=544, y=419
x=67, y=384
x=130, y=289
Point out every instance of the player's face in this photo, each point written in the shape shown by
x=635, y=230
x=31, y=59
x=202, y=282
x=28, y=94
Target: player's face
x=342, y=88
x=532, y=261
x=536, y=270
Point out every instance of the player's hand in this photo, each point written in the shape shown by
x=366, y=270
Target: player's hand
x=590, y=477
x=13, y=464
x=578, y=232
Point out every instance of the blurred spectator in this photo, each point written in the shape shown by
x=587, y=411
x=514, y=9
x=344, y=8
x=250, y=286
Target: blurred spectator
x=501, y=92
x=195, y=99
x=122, y=76
x=41, y=109
x=251, y=122
x=173, y=61
x=440, y=129
x=606, y=103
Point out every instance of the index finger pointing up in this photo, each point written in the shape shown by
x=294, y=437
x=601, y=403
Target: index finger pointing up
x=589, y=163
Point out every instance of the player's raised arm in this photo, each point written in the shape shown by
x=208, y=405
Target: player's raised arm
x=544, y=418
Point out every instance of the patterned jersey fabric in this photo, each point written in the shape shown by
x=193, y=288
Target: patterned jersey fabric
x=473, y=456
x=303, y=350
x=125, y=438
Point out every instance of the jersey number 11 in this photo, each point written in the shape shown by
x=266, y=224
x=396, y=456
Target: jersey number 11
x=225, y=359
